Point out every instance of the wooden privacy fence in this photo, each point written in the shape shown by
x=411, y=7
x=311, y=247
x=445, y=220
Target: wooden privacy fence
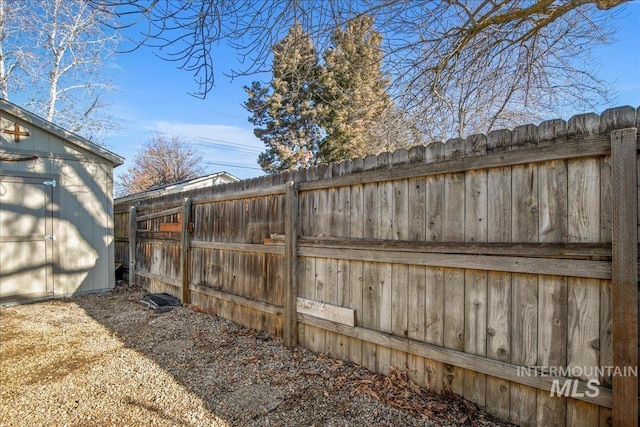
x=501, y=267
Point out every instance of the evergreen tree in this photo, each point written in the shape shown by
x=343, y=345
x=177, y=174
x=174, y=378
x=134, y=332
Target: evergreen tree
x=284, y=112
x=354, y=92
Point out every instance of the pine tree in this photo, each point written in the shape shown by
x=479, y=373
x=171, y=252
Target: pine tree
x=284, y=112
x=354, y=92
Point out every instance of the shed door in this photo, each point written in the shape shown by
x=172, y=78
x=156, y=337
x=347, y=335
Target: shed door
x=26, y=238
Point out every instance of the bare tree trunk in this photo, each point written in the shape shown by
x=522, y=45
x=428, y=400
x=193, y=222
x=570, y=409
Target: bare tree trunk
x=3, y=76
x=51, y=53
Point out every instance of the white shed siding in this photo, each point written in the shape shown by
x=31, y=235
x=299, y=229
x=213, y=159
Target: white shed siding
x=83, y=200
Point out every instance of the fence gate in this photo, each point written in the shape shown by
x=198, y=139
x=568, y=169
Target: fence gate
x=165, y=231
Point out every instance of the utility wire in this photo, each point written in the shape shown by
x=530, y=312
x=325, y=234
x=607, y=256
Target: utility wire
x=226, y=114
x=222, y=141
x=231, y=166
x=223, y=147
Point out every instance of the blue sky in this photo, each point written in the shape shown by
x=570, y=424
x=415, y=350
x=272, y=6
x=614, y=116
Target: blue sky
x=153, y=96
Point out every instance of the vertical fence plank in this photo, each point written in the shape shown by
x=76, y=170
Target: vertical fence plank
x=624, y=291
x=416, y=274
x=583, y=295
x=334, y=227
x=370, y=285
x=356, y=230
x=498, y=283
x=324, y=283
x=236, y=226
x=475, y=283
x=524, y=290
x=434, y=277
x=400, y=273
x=291, y=264
x=306, y=265
x=384, y=230
x=552, y=290
x=453, y=231
x=341, y=223
x=247, y=259
x=605, y=343
x=184, y=249
x=133, y=227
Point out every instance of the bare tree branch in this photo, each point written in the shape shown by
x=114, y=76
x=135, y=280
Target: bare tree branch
x=52, y=54
x=162, y=160
x=431, y=48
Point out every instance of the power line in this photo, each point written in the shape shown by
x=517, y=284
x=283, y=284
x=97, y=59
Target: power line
x=222, y=141
x=226, y=114
x=223, y=147
x=231, y=166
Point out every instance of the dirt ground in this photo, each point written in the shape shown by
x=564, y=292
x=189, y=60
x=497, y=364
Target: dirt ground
x=107, y=360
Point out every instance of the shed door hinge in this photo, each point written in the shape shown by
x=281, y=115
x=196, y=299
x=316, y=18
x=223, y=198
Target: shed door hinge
x=51, y=183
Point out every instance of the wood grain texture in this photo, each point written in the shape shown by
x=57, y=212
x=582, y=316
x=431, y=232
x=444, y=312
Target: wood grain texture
x=384, y=288
x=291, y=265
x=606, y=307
x=552, y=290
x=400, y=273
x=453, y=231
x=333, y=313
x=577, y=268
x=184, y=250
x=524, y=292
x=356, y=230
x=336, y=225
x=241, y=195
x=160, y=214
x=583, y=300
x=589, y=147
x=416, y=277
x=466, y=361
x=624, y=289
x=563, y=250
x=498, y=283
x=475, y=284
x=434, y=278
x=133, y=226
x=370, y=283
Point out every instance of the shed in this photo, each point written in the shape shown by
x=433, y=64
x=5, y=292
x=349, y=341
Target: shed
x=56, y=210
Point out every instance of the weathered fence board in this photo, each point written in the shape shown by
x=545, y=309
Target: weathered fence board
x=473, y=264
x=552, y=290
x=498, y=283
x=625, y=277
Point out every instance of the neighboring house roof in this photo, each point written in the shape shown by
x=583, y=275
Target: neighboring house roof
x=190, y=184
x=72, y=138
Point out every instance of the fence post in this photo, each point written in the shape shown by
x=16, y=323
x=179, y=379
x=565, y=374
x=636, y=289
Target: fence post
x=133, y=227
x=185, y=238
x=290, y=329
x=624, y=283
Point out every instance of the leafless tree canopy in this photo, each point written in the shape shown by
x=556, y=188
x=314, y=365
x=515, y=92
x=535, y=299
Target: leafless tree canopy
x=448, y=58
x=52, y=55
x=162, y=160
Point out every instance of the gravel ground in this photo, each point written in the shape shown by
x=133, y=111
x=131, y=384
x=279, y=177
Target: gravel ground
x=106, y=360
